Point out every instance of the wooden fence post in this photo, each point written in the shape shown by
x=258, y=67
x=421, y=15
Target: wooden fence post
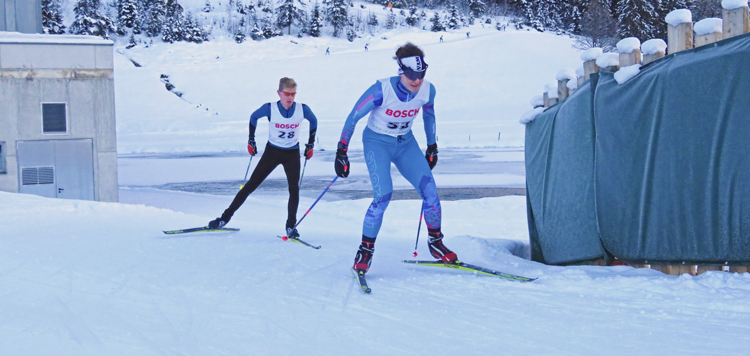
x=589, y=62
x=679, y=30
x=653, y=49
x=708, y=31
x=736, y=21
x=550, y=95
x=581, y=74
x=630, y=51
x=609, y=61
x=563, y=77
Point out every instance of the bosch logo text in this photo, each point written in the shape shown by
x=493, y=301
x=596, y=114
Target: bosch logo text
x=287, y=126
x=402, y=113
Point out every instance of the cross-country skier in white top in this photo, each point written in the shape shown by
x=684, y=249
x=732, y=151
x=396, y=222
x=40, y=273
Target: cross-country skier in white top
x=285, y=118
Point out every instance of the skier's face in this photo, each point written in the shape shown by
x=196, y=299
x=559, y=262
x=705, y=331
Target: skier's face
x=287, y=97
x=412, y=84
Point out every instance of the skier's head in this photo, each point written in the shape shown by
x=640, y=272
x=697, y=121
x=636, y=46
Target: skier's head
x=412, y=67
x=287, y=91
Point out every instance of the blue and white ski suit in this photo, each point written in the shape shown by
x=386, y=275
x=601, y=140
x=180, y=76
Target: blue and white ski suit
x=388, y=139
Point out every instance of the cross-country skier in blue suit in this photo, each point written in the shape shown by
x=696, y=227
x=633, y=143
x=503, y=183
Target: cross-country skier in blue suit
x=393, y=104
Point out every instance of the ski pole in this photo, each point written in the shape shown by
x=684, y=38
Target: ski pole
x=248, y=170
x=303, y=174
x=418, y=229
x=316, y=201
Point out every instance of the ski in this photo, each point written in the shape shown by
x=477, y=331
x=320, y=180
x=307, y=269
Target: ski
x=472, y=268
x=360, y=276
x=297, y=240
x=199, y=229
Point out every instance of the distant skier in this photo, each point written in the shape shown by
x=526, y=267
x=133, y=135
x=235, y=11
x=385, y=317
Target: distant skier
x=468, y=34
x=393, y=103
x=441, y=38
x=328, y=50
x=365, y=47
x=285, y=118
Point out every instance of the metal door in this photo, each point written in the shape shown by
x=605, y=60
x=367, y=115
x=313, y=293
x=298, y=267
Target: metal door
x=57, y=168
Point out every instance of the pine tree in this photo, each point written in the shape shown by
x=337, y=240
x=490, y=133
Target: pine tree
x=477, y=8
x=89, y=21
x=437, y=25
x=315, y=21
x=337, y=15
x=193, y=32
x=153, y=20
x=390, y=21
x=373, y=20
x=454, y=19
x=239, y=36
x=173, y=29
x=288, y=12
x=636, y=19
x=127, y=14
x=413, y=18
x=52, y=20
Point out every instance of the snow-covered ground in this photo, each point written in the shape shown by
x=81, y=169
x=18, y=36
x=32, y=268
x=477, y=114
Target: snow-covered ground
x=91, y=278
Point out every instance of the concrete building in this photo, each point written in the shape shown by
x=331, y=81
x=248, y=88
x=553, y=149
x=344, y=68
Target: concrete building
x=23, y=16
x=57, y=114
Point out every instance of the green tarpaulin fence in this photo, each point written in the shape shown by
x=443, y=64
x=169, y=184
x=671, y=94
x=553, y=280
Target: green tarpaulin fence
x=654, y=170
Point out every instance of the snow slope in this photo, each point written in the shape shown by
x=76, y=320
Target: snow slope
x=89, y=278
x=483, y=83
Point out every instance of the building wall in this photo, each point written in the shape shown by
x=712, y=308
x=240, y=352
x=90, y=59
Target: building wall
x=79, y=73
x=23, y=16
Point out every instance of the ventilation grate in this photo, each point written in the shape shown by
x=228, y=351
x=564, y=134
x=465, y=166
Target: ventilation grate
x=37, y=175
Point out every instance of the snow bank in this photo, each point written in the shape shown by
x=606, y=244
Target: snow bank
x=679, y=16
x=608, y=60
x=628, y=45
x=591, y=54
x=653, y=46
x=733, y=4
x=708, y=26
x=530, y=115
x=626, y=73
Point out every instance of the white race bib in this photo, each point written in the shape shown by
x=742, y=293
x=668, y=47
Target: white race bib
x=283, y=132
x=394, y=117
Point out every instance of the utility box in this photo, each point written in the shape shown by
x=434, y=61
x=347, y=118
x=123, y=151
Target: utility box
x=23, y=16
x=57, y=116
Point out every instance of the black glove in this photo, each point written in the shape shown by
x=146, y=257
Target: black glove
x=308, y=150
x=251, y=149
x=341, y=164
x=431, y=155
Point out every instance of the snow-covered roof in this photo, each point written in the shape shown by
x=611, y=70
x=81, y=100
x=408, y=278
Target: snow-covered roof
x=628, y=45
x=679, y=16
x=733, y=4
x=708, y=26
x=17, y=37
x=653, y=46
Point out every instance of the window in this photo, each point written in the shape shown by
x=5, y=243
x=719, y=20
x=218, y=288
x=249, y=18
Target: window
x=2, y=158
x=54, y=119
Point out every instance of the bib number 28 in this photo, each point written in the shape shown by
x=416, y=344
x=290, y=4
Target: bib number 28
x=286, y=134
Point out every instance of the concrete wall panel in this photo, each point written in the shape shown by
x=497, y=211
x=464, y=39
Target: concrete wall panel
x=48, y=56
x=82, y=108
x=2, y=16
x=54, y=91
x=106, y=131
x=104, y=57
x=10, y=15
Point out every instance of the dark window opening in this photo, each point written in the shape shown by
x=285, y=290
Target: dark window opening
x=54, y=118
